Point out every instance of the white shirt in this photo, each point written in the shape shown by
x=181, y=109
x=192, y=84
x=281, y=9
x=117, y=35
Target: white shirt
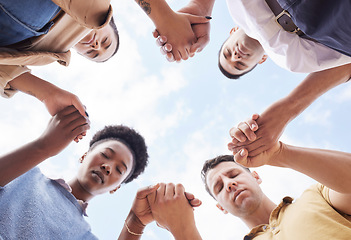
x=286, y=49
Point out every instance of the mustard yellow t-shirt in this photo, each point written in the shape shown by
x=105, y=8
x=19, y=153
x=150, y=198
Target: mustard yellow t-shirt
x=311, y=217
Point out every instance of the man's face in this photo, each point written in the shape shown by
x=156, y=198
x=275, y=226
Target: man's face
x=236, y=190
x=240, y=53
x=105, y=167
x=98, y=45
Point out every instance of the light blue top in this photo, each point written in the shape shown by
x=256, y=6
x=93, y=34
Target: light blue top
x=35, y=207
x=22, y=19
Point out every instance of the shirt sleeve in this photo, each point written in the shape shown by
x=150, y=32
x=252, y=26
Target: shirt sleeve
x=8, y=73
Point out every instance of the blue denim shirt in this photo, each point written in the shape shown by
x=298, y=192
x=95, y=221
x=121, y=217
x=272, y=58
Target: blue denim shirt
x=22, y=19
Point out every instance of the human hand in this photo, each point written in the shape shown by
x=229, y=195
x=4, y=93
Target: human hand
x=201, y=31
x=171, y=209
x=270, y=126
x=62, y=129
x=141, y=208
x=57, y=99
x=179, y=35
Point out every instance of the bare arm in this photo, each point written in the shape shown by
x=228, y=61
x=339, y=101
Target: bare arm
x=274, y=119
x=330, y=168
x=54, y=98
x=61, y=130
x=177, y=27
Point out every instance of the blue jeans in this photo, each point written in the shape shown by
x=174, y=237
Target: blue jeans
x=22, y=19
x=327, y=21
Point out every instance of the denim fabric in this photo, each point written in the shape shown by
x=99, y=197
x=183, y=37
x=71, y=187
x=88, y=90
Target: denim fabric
x=22, y=19
x=327, y=21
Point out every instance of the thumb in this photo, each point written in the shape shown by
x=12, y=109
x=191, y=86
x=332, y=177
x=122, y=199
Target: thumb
x=194, y=19
x=79, y=106
x=143, y=192
x=200, y=44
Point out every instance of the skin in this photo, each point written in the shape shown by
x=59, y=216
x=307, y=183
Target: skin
x=61, y=130
x=240, y=53
x=277, y=116
x=98, y=45
x=104, y=168
x=330, y=168
x=237, y=191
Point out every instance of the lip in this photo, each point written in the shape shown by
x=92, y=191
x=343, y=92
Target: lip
x=242, y=51
x=91, y=40
x=100, y=175
x=237, y=193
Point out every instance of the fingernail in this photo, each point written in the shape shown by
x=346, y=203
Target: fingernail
x=242, y=153
x=86, y=114
x=208, y=17
x=253, y=126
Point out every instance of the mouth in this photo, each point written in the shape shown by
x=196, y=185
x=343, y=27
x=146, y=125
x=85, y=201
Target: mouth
x=91, y=40
x=237, y=193
x=99, y=175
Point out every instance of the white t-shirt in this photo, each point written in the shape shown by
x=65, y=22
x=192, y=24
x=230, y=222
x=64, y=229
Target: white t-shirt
x=287, y=50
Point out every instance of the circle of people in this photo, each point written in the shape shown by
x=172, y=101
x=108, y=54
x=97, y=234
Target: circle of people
x=300, y=36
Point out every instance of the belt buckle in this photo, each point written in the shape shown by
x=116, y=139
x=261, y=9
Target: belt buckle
x=282, y=14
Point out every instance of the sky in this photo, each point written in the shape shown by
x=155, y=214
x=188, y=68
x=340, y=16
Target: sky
x=184, y=111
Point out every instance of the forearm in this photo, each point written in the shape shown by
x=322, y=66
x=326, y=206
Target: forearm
x=314, y=85
x=157, y=10
x=204, y=7
x=187, y=233
x=17, y=162
x=132, y=228
x=330, y=168
x=33, y=85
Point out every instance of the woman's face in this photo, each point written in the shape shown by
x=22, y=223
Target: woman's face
x=98, y=45
x=105, y=167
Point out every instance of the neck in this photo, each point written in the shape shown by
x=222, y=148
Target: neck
x=261, y=214
x=78, y=191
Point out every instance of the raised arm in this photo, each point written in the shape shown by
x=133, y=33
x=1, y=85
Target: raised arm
x=201, y=31
x=276, y=117
x=61, y=130
x=175, y=26
x=330, y=168
x=54, y=98
x=171, y=209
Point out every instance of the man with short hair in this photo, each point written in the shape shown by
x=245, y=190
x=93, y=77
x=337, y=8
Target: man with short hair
x=322, y=212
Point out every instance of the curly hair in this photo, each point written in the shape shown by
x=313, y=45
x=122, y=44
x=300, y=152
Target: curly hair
x=132, y=138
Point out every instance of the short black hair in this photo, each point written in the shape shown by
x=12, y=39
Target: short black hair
x=115, y=31
x=114, y=27
x=212, y=163
x=226, y=73
x=132, y=138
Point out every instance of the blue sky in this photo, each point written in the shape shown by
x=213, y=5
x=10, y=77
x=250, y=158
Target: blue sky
x=184, y=111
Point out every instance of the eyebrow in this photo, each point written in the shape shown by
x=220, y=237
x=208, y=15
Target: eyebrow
x=226, y=173
x=113, y=152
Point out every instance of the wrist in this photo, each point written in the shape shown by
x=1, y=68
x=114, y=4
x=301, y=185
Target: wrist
x=133, y=224
x=279, y=156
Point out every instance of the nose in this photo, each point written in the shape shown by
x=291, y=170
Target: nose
x=96, y=45
x=231, y=185
x=106, y=169
x=236, y=55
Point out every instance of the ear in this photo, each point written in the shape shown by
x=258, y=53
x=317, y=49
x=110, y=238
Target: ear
x=221, y=208
x=115, y=189
x=263, y=59
x=257, y=177
x=234, y=29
